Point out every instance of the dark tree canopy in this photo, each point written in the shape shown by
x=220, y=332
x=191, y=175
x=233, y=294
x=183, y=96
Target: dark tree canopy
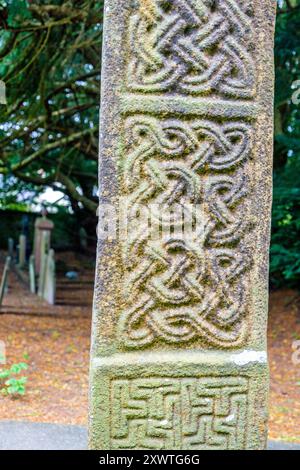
x=50, y=62
x=285, y=249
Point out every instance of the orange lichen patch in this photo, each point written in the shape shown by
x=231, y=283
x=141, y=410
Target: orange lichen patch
x=148, y=9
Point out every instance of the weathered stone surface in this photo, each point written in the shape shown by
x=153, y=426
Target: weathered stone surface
x=32, y=275
x=179, y=329
x=44, y=249
x=22, y=251
x=50, y=278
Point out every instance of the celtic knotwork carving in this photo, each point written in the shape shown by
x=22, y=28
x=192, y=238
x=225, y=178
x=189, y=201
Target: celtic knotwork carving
x=193, y=47
x=179, y=413
x=180, y=288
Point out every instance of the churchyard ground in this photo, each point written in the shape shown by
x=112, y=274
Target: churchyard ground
x=55, y=342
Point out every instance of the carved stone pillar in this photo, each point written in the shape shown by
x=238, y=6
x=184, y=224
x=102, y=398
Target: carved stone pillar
x=179, y=332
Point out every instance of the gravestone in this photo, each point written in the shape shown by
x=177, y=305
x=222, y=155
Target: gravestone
x=44, y=250
x=22, y=251
x=179, y=328
x=42, y=239
x=4, y=278
x=32, y=275
x=50, y=280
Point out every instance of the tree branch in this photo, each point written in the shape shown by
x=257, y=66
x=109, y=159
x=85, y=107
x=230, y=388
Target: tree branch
x=51, y=146
x=71, y=187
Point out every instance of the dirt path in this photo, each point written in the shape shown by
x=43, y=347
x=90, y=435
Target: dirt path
x=57, y=341
x=284, y=330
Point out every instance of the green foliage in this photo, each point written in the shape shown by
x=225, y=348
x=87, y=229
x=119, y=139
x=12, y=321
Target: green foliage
x=11, y=383
x=16, y=387
x=50, y=63
x=285, y=246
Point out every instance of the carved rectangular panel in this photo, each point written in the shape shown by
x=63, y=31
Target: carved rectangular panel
x=186, y=400
x=195, y=279
x=188, y=413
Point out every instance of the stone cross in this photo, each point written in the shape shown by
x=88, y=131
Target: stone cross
x=50, y=281
x=179, y=330
x=42, y=237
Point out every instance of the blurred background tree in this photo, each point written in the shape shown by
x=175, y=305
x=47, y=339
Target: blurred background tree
x=50, y=55
x=285, y=248
x=50, y=62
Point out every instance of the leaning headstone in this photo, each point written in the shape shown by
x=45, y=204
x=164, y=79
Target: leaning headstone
x=22, y=251
x=4, y=278
x=179, y=330
x=50, y=280
x=42, y=239
x=32, y=275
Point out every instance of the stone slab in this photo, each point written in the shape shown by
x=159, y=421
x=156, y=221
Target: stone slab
x=185, y=400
